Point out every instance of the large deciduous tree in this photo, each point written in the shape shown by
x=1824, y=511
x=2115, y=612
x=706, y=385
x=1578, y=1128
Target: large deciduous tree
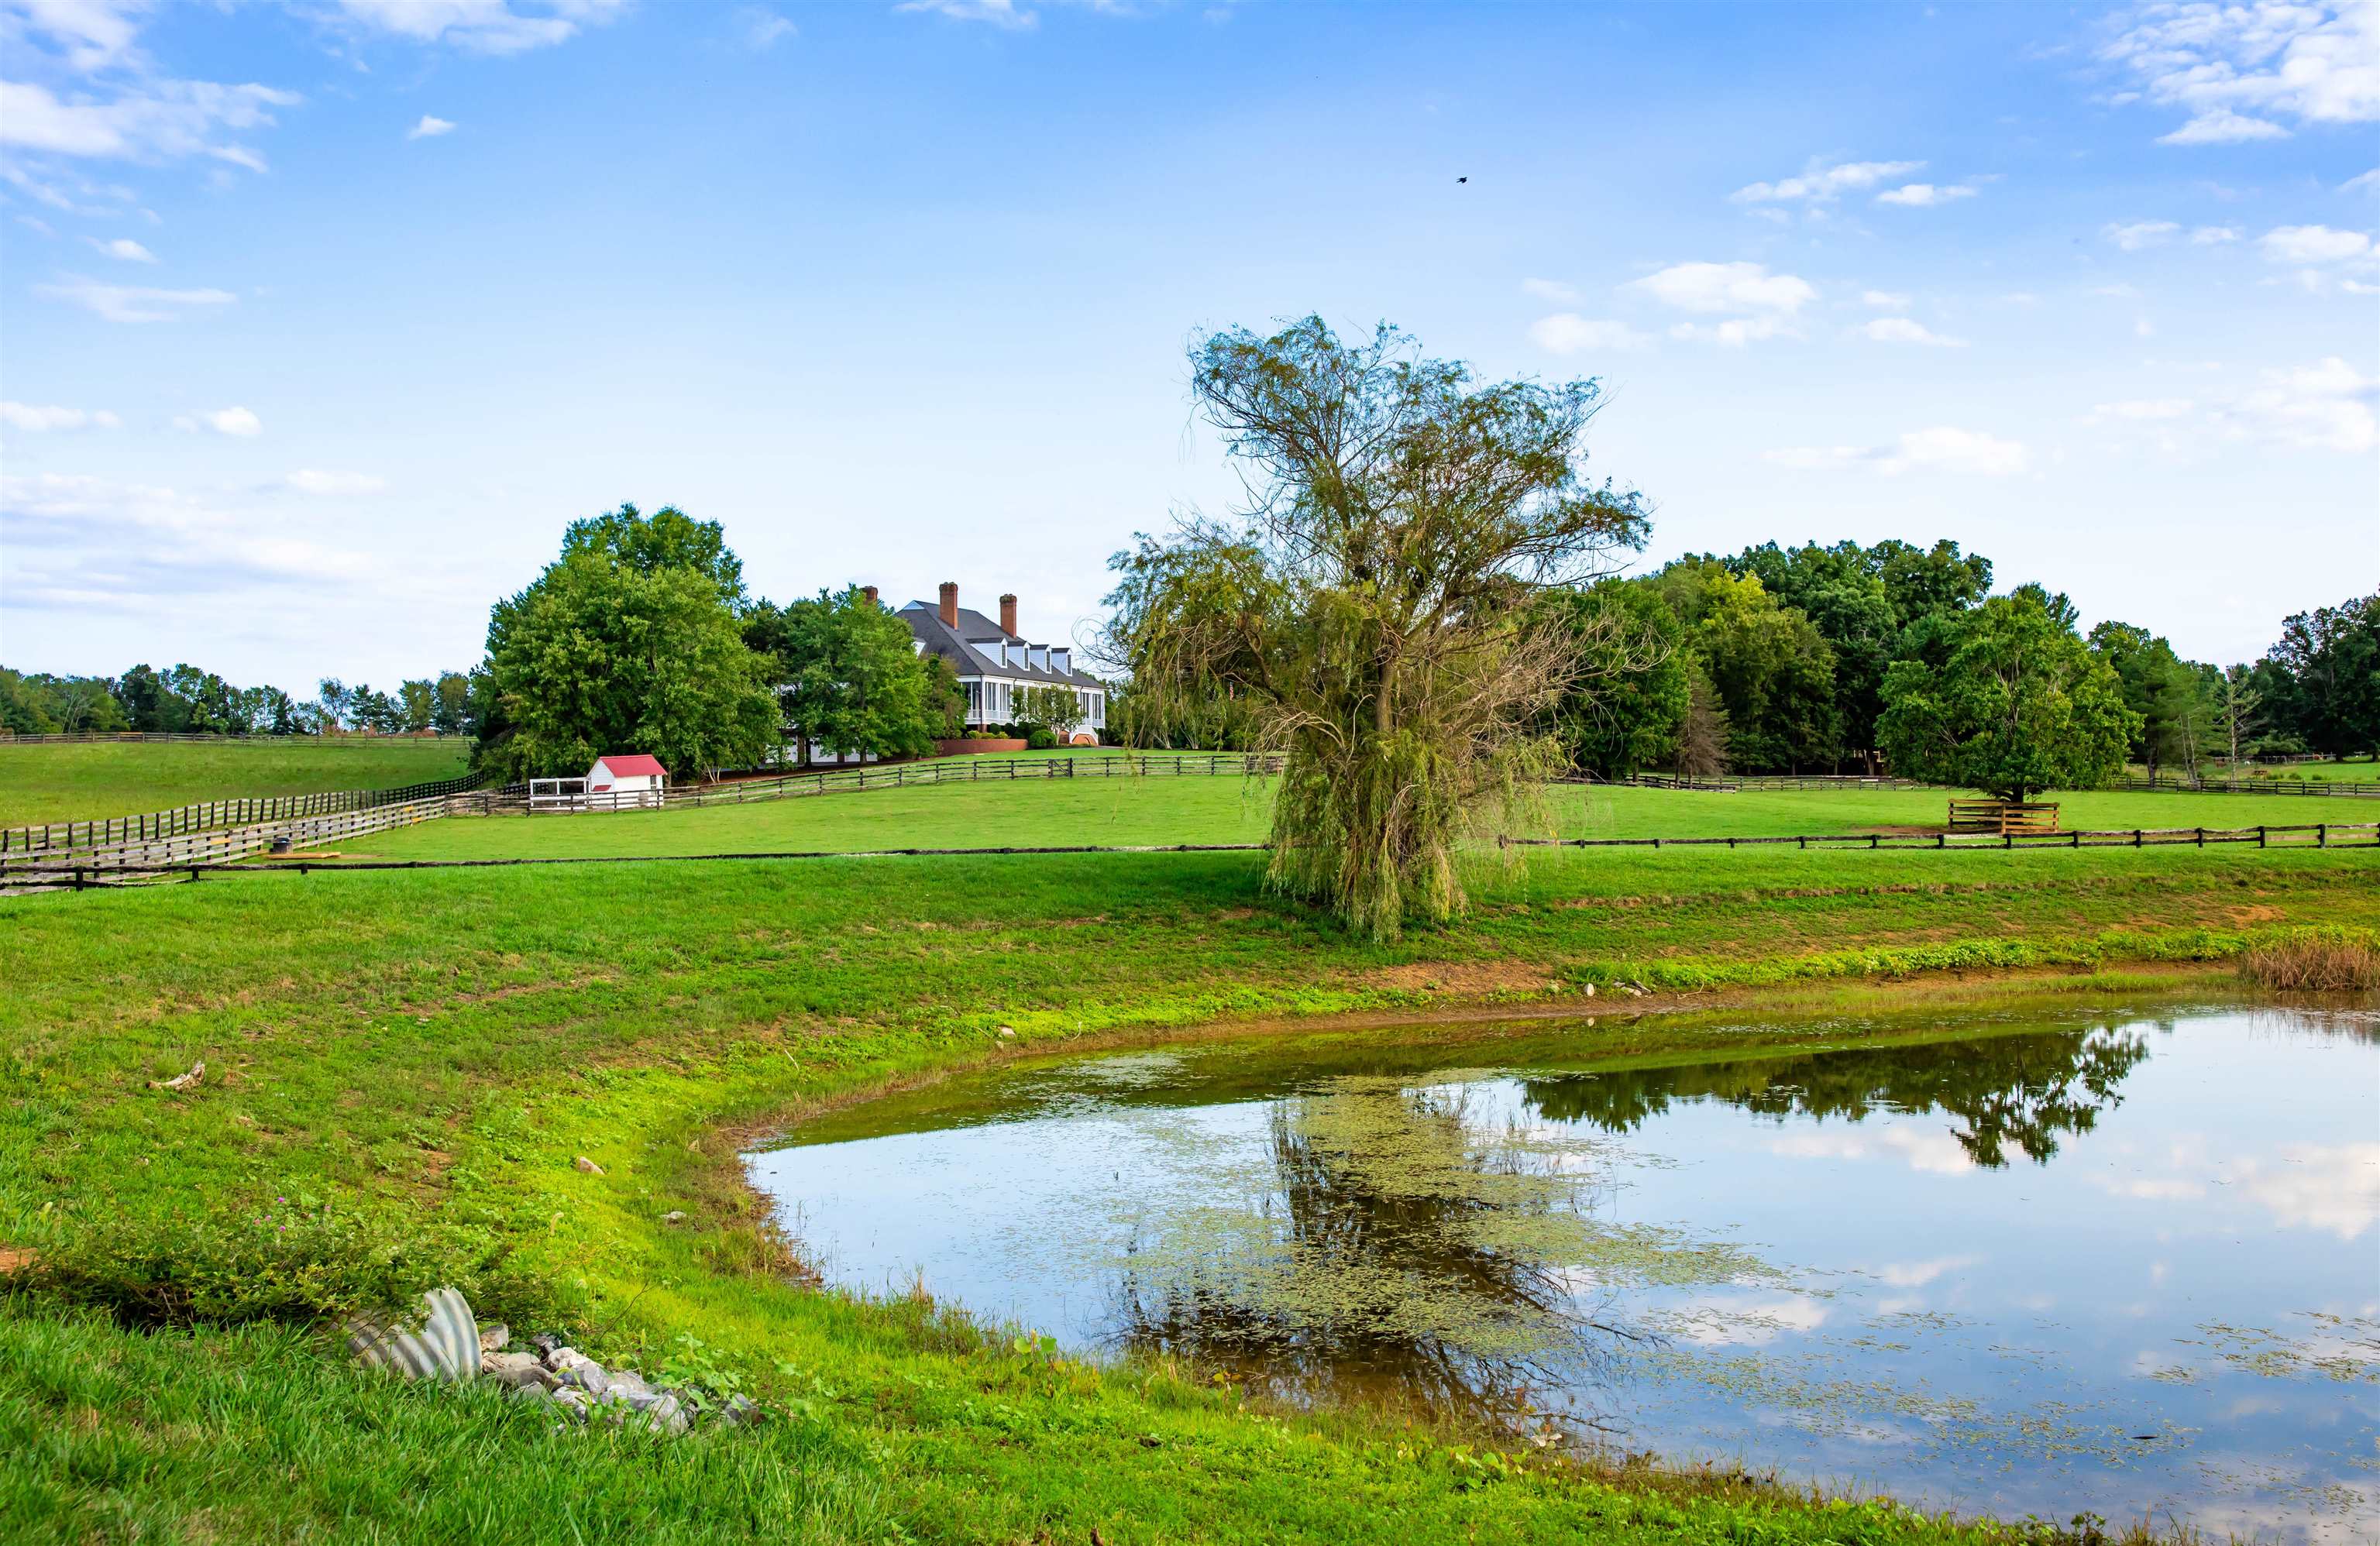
x=1372, y=603
x=1628, y=693
x=2019, y=704
x=849, y=678
x=629, y=642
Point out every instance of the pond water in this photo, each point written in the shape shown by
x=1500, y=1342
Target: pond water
x=2124, y=1264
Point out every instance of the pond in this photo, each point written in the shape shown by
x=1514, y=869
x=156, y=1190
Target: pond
x=2019, y=1264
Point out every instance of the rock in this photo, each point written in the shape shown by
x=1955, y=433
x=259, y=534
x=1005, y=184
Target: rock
x=675, y=1215
x=627, y=1385
x=546, y=1342
x=518, y=1370
x=530, y=1392
x=739, y=1409
x=494, y=1338
x=588, y=1166
x=1008, y=1033
x=1590, y=990
x=578, y=1370
x=576, y=1402
x=666, y=1415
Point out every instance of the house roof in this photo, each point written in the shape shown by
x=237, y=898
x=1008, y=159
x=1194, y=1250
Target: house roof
x=633, y=765
x=965, y=646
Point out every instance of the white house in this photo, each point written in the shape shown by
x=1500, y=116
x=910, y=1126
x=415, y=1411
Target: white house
x=624, y=781
x=995, y=664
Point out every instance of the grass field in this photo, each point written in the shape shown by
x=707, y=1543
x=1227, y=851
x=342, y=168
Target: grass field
x=402, y=1068
x=1124, y=811
x=76, y=781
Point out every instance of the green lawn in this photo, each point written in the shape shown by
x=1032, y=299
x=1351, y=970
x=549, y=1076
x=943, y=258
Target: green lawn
x=403, y=1067
x=76, y=781
x=1130, y=811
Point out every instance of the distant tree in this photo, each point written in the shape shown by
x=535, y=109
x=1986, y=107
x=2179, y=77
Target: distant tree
x=22, y=712
x=2021, y=704
x=2238, y=712
x=148, y=703
x=333, y=700
x=1774, y=671
x=2321, y=682
x=418, y=698
x=849, y=676
x=1702, y=742
x=1627, y=695
x=1373, y=604
x=1058, y=711
x=2160, y=688
x=615, y=650
x=450, y=711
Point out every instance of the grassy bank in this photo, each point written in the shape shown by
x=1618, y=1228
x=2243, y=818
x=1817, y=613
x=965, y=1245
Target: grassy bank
x=1123, y=812
x=73, y=781
x=403, y=1069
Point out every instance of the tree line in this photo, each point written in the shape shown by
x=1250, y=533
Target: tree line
x=185, y=700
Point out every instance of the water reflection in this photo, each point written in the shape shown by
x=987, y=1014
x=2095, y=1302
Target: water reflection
x=2024, y=1091
x=1408, y=1248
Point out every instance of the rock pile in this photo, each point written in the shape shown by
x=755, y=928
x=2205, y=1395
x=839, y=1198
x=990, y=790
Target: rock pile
x=586, y=1390
x=450, y=1344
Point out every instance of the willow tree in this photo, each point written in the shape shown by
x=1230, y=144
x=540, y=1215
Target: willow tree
x=1371, y=599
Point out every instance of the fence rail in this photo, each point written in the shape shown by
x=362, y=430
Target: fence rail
x=152, y=827
x=2343, y=788
x=1769, y=782
x=56, y=875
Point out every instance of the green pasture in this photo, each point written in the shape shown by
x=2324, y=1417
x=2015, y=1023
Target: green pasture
x=404, y=1067
x=1128, y=810
x=89, y=780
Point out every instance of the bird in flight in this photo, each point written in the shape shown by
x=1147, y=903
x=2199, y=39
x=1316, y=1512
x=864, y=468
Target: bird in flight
x=1461, y=179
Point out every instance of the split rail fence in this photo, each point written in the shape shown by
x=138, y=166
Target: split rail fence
x=151, y=827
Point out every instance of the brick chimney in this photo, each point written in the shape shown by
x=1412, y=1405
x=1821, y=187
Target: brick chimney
x=950, y=603
x=1008, y=615
x=870, y=592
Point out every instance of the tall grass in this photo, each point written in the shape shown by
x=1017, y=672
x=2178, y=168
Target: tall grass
x=2325, y=962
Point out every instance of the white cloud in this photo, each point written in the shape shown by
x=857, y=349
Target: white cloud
x=1887, y=300
x=2314, y=244
x=481, y=26
x=239, y=422
x=2211, y=236
x=997, y=13
x=1901, y=329
x=126, y=249
x=130, y=302
x=1552, y=290
x=308, y=480
x=41, y=421
x=94, y=544
x=1941, y=448
x=87, y=35
x=1917, y=1275
x=2316, y=61
x=764, y=29
x=149, y=120
x=1567, y=332
x=2362, y=182
x=2139, y=233
x=2325, y=406
x=2143, y=410
x=1820, y=181
x=2223, y=127
x=1925, y=195
x=429, y=127
x=1766, y=302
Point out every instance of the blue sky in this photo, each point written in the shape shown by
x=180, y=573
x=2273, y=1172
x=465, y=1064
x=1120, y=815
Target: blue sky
x=318, y=322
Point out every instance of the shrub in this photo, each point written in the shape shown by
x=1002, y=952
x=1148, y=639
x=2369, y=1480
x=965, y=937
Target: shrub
x=1040, y=738
x=288, y=1261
